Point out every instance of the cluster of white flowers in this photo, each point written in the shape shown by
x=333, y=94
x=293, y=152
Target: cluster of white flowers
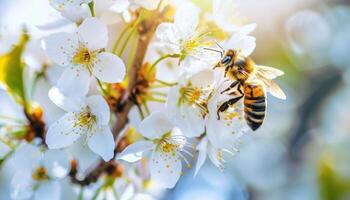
x=88, y=73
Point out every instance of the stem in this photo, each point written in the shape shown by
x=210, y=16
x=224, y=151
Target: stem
x=125, y=44
x=132, y=53
x=115, y=194
x=166, y=83
x=146, y=107
x=162, y=58
x=81, y=193
x=116, y=44
x=97, y=192
x=91, y=6
x=105, y=93
x=159, y=93
x=142, y=115
x=156, y=100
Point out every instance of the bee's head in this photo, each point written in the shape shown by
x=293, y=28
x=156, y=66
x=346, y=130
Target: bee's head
x=227, y=59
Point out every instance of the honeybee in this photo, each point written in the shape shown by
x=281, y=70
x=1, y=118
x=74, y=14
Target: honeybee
x=252, y=82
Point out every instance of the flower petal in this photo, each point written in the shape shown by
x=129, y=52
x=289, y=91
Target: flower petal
x=4, y=149
x=83, y=154
x=93, y=33
x=27, y=156
x=66, y=103
x=203, y=78
x=186, y=19
x=48, y=190
x=109, y=68
x=190, y=122
x=22, y=185
x=102, y=143
x=148, y=4
x=74, y=82
x=57, y=163
x=99, y=108
x=63, y=132
x=60, y=47
x=220, y=135
x=134, y=152
x=155, y=125
x=202, y=154
x=165, y=169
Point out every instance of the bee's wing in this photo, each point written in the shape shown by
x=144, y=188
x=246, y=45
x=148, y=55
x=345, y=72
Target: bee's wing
x=271, y=87
x=268, y=72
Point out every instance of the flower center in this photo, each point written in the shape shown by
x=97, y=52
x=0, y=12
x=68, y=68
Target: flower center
x=40, y=174
x=86, y=119
x=197, y=97
x=174, y=147
x=85, y=57
x=193, y=43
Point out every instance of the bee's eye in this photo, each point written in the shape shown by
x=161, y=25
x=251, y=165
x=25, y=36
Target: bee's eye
x=226, y=60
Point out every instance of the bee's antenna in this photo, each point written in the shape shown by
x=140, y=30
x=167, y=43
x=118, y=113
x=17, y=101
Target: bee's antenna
x=210, y=49
x=223, y=50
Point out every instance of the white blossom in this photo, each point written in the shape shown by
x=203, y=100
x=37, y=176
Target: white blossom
x=83, y=55
x=187, y=102
x=182, y=37
x=37, y=173
x=168, y=146
x=87, y=118
x=74, y=10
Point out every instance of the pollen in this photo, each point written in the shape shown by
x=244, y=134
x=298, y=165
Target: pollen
x=196, y=97
x=84, y=57
x=40, y=174
x=85, y=119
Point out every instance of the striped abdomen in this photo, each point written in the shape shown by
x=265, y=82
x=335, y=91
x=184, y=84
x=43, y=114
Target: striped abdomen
x=254, y=105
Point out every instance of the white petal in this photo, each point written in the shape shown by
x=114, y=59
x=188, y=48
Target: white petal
x=134, y=152
x=148, y=4
x=83, y=154
x=62, y=133
x=27, y=156
x=155, y=125
x=202, y=154
x=102, y=143
x=219, y=134
x=48, y=190
x=57, y=163
x=93, y=33
x=203, y=79
x=34, y=56
x=120, y=6
x=99, y=108
x=22, y=185
x=165, y=169
x=4, y=149
x=60, y=47
x=168, y=36
x=65, y=103
x=191, y=122
x=109, y=68
x=186, y=19
x=77, y=13
x=74, y=82
x=247, y=45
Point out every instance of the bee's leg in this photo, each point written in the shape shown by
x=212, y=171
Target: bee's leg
x=230, y=87
x=227, y=104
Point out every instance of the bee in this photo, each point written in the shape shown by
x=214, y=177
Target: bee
x=252, y=82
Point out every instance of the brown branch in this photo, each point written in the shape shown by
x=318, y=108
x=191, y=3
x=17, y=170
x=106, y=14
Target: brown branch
x=146, y=29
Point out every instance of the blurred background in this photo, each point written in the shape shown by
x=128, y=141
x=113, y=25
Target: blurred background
x=303, y=149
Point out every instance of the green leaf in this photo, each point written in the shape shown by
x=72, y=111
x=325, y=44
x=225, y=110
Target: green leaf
x=11, y=70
